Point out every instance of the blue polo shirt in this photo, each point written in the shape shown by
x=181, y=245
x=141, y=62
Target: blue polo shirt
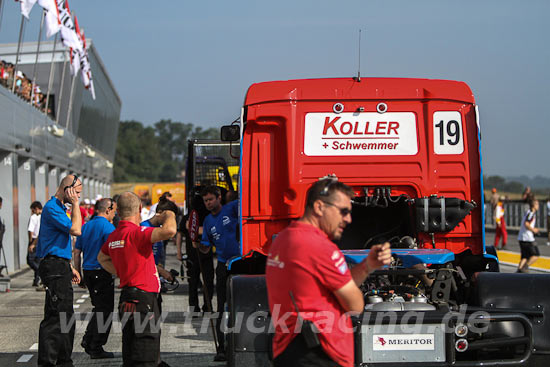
x=94, y=235
x=158, y=247
x=220, y=230
x=55, y=227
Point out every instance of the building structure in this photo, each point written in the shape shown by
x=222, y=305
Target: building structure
x=37, y=150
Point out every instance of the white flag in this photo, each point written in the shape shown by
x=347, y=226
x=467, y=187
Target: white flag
x=85, y=69
x=75, y=61
x=68, y=33
x=52, y=23
x=26, y=7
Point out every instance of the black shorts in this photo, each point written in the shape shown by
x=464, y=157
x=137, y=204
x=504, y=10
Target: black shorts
x=528, y=249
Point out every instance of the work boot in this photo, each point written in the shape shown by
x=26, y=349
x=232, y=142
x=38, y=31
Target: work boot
x=220, y=357
x=100, y=354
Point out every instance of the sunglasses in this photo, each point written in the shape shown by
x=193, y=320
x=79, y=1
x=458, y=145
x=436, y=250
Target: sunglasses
x=112, y=204
x=343, y=211
x=73, y=184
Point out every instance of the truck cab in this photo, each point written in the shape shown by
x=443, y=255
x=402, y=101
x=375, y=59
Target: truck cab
x=410, y=149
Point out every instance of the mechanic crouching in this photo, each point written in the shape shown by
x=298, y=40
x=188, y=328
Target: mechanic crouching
x=309, y=283
x=128, y=253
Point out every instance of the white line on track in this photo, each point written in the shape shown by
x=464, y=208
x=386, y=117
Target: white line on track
x=85, y=296
x=76, y=306
x=34, y=346
x=24, y=358
x=80, y=300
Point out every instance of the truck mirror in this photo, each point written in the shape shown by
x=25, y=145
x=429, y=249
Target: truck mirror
x=230, y=133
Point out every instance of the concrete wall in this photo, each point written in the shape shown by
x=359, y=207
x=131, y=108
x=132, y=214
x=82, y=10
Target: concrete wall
x=40, y=182
x=6, y=213
x=24, y=203
x=22, y=181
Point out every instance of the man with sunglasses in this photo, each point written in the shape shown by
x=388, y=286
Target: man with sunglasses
x=306, y=273
x=54, y=247
x=99, y=282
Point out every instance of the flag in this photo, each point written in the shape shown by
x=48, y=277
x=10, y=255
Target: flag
x=68, y=33
x=52, y=22
x=75, y=60
x=26, y=7
x=85, y=69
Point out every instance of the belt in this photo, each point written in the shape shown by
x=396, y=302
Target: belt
x=57, y=258
x=136, y=289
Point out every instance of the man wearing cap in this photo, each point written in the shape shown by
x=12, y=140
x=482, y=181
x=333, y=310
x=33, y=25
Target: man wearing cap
x=99, y=282
x=128, y=253
x=55, y=342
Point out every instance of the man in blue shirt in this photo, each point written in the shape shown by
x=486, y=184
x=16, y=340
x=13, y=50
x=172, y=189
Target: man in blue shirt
x=99, y=282
x=220, y=230
x=55, y=344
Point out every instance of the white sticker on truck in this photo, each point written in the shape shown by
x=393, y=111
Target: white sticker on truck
x=447, y=132
x=403, y=342
x=364, y=134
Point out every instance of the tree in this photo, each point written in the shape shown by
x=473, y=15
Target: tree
x=137, y=157
x=155, y=153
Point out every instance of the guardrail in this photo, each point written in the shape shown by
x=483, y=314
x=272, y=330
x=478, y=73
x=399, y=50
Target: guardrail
x=513, y=214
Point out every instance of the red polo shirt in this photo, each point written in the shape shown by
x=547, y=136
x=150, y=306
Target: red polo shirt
x=131, y=250
x=303, y=260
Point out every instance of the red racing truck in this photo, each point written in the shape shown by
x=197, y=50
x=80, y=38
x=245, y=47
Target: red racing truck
x=410, y=148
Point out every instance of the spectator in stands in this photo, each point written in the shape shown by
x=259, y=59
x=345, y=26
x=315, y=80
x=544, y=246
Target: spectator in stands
x=23, y=86
x=10, y=70
x=4, y=73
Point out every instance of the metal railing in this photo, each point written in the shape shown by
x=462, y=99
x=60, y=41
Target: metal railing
x=513, y=214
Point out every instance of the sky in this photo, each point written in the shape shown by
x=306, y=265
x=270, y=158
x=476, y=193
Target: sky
x=192, y=61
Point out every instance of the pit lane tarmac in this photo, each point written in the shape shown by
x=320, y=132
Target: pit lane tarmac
x=185, y=341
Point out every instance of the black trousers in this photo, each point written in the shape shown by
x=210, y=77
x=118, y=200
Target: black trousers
x=140, y=327
x=101, y=286
x=221, y=296
x=33, y=262
x=56, y=334
x=194, y=273
x=297, y=354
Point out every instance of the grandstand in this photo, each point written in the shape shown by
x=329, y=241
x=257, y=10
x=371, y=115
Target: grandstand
x=37, y=147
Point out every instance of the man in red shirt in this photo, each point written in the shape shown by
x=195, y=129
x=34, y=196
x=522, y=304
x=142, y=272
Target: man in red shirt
x=307, y=272
x=128, y=253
